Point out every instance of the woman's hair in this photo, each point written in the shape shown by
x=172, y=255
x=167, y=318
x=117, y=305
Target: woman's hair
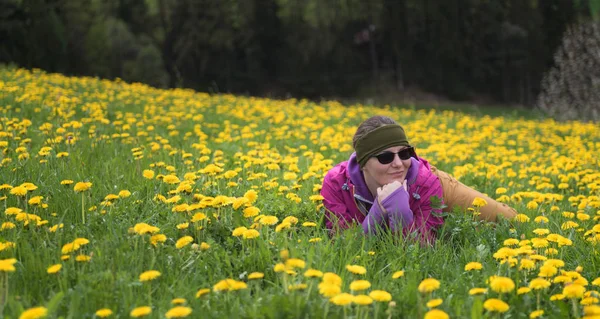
x=369, y=125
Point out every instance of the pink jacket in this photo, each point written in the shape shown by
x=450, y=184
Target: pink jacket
x=346, y=198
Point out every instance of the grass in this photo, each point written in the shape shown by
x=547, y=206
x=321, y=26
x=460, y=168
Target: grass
x=114, y=131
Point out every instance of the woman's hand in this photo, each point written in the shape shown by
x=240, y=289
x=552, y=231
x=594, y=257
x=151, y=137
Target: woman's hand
x=387, y=189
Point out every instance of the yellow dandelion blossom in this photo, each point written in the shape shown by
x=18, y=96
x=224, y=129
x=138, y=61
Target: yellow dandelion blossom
x=359, y=285
x=428, y=285
x=239, y=231
x=362, y=300
x=251, y=195
x=332, y=278
x=268, y=220
x=82, y=187
x=183, y=241
x=539, y=283
x=34, y=313
x=148, y=174
x=523, y=290
x=103, y=313
x=573, y=291
x=473, y=266
x=477, y=291
x=398, y=274
x=140, y=311
x=356, y=269
x=149, y=275
x=54, y=269
x=202, y=292
x=342, y=299
x=380, y=295
x=250, y=234
x=434, y=302
x=7, y=265
x=251, y=211
x=329, y=290
x=522, y=218
x=479, y=202
x=502, y=284
x=18, y=191
x=178, y=312
x=295, y=263
x=313, y=273
x=496, y=305
x=436, y=314
x=256, y=275
x=536, y=313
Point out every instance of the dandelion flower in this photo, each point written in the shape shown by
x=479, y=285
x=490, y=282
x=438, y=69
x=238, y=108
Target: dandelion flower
x=434, y=302
x=140, y=311
x=496, y=305
x=202, y=292
x=436, y=314
x=295, y=263
x=82, y=187
x=380, y=295
x=477, y=291
x=342, y=299
x=359, y=285
x=178, y=312
x=250, y=234
x=18, y=191
x=256, y=275
x=573, y=291
x=362, y=300
x=428, y=285
x=54, y=269
x=398, y=274
x=239, y=231
x=329, y=290
x=479, y=202
x=104, y=312
x=149, y=275
x=183, y=241
x=34, y=313
x=502, y=284
x=312, y=273
x=473, y=266
x=7, y=265
x=523, y=290
x=148, y=174
x=332, y=278
x=536, y=313
x=356, y=269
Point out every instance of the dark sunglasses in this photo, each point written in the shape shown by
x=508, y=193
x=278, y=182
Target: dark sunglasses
x=388, y=157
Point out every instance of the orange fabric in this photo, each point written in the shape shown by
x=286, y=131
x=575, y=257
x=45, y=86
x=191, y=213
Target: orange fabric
x=459, y=194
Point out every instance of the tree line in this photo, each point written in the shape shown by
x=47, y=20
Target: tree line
x=460, y=49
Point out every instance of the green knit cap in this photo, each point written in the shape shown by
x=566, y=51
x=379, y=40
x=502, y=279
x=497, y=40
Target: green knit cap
x=378, y=140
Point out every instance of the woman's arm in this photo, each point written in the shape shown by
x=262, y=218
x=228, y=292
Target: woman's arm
x=338, y=213
x=460, y=195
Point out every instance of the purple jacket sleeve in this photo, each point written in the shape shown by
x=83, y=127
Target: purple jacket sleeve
x=398, y=208
x=375, y=219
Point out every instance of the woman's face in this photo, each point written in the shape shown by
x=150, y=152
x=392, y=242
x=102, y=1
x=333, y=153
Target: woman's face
x=382, y=174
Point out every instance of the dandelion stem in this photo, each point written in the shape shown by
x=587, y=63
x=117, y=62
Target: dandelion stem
x=82, y=208
x=575, y=308
x=4, y=292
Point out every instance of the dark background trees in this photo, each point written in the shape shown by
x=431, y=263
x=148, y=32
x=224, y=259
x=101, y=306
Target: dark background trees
x=459, y=49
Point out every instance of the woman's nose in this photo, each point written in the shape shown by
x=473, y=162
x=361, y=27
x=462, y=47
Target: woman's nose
x=397, y=161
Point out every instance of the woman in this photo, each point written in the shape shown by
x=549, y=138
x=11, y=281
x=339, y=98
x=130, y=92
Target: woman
x=385, y=184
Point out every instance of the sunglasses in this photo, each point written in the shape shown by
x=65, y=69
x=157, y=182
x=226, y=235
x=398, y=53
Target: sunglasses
x=388, y=157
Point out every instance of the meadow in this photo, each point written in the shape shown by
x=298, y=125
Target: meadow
x=120, y=200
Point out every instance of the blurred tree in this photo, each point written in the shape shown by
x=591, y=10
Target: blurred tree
x=461, y=49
